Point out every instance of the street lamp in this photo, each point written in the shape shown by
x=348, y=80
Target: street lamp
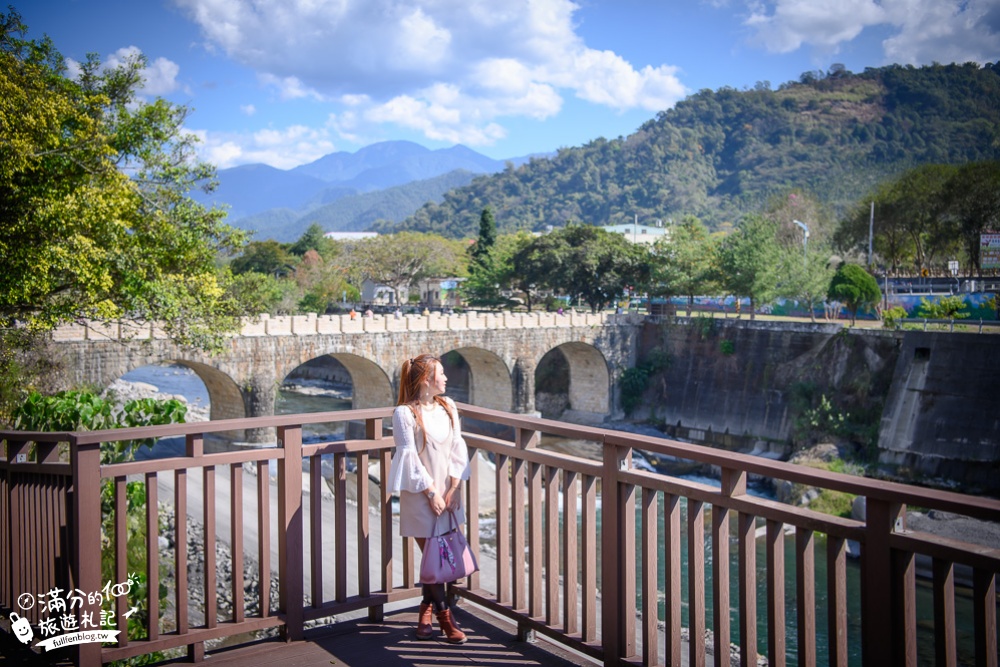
x=805, y=239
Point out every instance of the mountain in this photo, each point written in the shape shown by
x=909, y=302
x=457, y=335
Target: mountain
x=252, y=188
x=720, y=154
x=391, y=163
x=356, y=212
x=264, y=199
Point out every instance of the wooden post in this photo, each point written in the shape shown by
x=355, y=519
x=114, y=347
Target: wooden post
x=290, y=528
x=86, y=463
x=877, y=643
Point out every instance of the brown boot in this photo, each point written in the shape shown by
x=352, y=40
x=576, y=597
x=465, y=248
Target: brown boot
x=451, y=632
x=424, y=628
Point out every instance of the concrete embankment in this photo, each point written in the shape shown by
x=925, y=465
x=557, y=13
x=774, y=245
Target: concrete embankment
x=928, y=399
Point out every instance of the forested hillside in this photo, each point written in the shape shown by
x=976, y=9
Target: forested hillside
x=720, y=154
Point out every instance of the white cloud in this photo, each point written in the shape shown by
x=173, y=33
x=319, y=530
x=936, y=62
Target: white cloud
x=289, y=87
x=924, y=31
x=282, y=148
x=248, y=109
x=448, y=68
x=159, y=76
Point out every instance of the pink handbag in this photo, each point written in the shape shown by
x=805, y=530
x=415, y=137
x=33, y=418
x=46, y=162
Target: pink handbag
x=447, y=557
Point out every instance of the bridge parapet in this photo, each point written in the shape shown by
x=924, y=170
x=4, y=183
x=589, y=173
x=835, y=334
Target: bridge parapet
x=312, y=324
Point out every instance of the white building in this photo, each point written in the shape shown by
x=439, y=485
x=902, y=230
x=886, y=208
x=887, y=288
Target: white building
x=637, y=233
x=350, y=236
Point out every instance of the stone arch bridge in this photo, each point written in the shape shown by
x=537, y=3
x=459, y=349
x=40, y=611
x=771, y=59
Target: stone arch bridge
x=501, y=350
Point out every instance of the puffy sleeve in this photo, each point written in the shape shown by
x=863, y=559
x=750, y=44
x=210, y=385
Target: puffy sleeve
x=406, y=473
x=458, y=460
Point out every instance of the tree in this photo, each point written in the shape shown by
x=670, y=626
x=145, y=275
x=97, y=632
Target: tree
x=908, y=224
x=944, y=308
x=972, y=200
x=536, y=263
x=95, y=221
x=684, y=261
x=856, y=288
x=596, y=266
x=483, y=247
x=748, y=260
x=268, y=257
x=400, y=260
x=321, y=283
x=315, y=239
x=805, y=278
x=785, y=209
x=483, y=286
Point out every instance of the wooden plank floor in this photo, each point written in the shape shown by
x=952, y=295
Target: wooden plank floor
x=360, y=643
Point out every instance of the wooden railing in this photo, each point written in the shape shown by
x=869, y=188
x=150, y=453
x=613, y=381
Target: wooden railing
x=585, y=548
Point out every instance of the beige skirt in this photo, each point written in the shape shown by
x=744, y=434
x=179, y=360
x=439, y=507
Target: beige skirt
x=416, y=518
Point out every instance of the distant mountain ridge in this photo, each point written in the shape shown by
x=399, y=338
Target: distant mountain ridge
x=355, y=212
x=721, y=154
x=274, y=202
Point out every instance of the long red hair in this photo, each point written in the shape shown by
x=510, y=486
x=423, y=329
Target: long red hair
x=412, y=376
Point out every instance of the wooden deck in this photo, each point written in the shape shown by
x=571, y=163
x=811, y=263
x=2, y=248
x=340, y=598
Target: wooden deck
x=360, y=643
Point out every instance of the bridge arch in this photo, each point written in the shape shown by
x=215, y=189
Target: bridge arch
x=587, y=378
x=371, y=386
x=489, y=379
x=224, y=395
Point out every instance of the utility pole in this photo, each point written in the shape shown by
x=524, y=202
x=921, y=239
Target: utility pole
x=871, y=227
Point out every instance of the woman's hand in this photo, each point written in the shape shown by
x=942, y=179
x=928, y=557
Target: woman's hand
x=437, y=504
x=452, y=498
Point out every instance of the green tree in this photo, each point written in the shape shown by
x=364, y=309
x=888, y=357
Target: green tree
x=321, y=283
x=483, y=247
x=597, y=266
x=536, y=263
x=95, y=220
x=268, y=257
x=854, y=287
x=909, y=225
x=944, y=308
x=972, y=202
x=314, y=238
x=748, y=260
x=258, y=292
x=684, y=262
x=401, y=260
x=805, y=277
x=484, y=283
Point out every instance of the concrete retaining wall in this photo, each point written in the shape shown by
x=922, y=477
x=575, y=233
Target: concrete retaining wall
x=732, y=384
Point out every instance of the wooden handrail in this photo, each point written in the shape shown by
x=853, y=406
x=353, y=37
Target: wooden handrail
x=546, y=576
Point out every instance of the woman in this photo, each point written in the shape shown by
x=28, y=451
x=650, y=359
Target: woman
x=428, y=467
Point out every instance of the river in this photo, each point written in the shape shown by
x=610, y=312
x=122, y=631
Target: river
x=303, y=395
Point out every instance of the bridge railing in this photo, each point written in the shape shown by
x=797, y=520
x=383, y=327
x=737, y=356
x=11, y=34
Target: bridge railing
x=312, y=324
x=590, y=551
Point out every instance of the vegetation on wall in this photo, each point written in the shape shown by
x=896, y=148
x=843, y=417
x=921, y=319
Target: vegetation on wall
x=634, y=381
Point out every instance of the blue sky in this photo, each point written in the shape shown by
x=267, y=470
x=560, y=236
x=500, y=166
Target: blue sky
x=285, y=82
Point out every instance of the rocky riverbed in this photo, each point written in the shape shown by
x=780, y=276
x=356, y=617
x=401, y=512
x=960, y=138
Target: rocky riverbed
x=123, y=391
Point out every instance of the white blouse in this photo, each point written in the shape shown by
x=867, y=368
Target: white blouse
x=407, y=472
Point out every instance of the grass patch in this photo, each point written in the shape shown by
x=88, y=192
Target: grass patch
x=836, y=503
